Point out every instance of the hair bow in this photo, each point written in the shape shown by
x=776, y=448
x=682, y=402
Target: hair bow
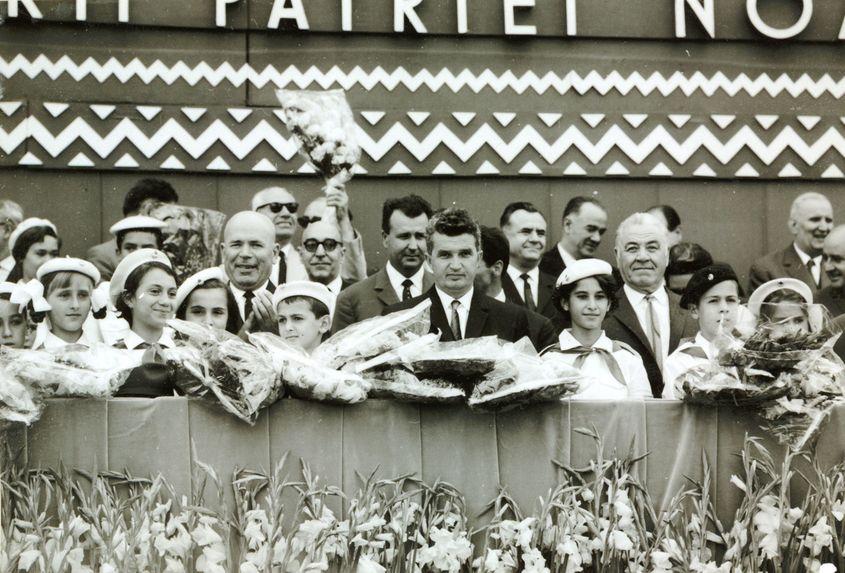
x=30, y=293
x=100, y=297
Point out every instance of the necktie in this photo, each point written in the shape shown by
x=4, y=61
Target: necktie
x=283, y=269
x=609, y=360
x=654, y=331
x=811, y=264
x=455, y=324
x=527, y=293
x=248, y=296
x=406, y=289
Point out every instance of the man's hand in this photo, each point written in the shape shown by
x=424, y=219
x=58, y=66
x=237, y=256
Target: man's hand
x=337, y=197
x=263, y=317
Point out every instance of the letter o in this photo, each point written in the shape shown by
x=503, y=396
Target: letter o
x=780, y=33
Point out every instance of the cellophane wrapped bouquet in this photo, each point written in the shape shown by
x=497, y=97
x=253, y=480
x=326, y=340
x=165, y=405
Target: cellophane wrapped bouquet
x=192, y=236
x=19, y=401
x=220, y=367
x=324, y=129
x=306, y=378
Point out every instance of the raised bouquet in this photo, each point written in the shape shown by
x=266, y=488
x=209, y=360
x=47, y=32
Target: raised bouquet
x=192, y=236
x=217, y=366
x=305, y=377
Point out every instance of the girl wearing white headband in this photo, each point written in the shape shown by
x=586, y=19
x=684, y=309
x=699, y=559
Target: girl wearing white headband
x=68, y=286
x=585, y=292
x=203, y=299
x=33, y=242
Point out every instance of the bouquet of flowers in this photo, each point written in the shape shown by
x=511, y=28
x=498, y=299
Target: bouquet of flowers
x=324, y=129
x=460, y=362
x=19, y=402
x=306, y=378
x=192, y=237
x=399, y=383
x=218, y=366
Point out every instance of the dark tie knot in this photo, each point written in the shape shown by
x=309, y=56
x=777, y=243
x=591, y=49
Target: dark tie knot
x=525, y=276
x=455, y=304
x=249, y=295
x=407, y=283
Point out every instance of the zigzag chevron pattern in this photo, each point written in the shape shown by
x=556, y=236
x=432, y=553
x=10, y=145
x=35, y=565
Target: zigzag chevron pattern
x=437, y=80
x=444, y=144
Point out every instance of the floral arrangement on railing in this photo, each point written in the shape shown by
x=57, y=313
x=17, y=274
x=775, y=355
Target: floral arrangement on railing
x=599, y=518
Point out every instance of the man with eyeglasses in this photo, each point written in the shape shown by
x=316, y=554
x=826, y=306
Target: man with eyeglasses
x=322, y=253
x=11, y=214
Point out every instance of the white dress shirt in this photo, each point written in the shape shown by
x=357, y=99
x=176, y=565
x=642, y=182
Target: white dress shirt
x=396, y=279
x=132, y=340
x=640, y=306
x=44, y=338
x=816, y=271
x=295, y=268
x=598, y=381
x=500, y=296
x=336, y=285
x=564, y=254
x=239, y=296
x=533, y=280
x=6, y=266
x=463, y=308
x=679, y=362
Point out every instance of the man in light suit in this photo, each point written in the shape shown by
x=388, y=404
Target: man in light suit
x=649, y=317
x=403, y=226
x=810, y=221
x=458, y=310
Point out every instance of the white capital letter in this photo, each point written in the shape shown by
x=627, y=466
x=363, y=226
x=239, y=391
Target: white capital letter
x=780, y=33
x=406, y=9
x=82, y=10
x=462, y=16
x=28, y=4
x=220, y=12
x=346, y=15
x=703, y=10
x=571, y=20
x=510, y=27
x=123, y=10
x=295, y=12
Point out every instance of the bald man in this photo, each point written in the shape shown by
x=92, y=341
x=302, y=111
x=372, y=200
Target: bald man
x=248, y=250
x=810, y=222
x=833, y=295
x=322, y=254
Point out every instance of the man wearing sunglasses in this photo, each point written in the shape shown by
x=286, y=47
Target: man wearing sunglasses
x=322, y=253
x=280, y=206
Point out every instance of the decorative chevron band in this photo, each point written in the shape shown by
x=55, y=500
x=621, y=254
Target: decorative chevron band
x=423, y=143
x=540, y=82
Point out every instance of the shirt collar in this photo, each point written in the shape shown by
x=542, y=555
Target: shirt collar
x=564, y=254
x=240, y=293
x=500, y=296
x=568, y=341
x=516, y=275
x=705, y=345
x=805, y=258
x=396, y=278
x=133, y=341
x=335, y=285
x=636, y=297
x=446, y=299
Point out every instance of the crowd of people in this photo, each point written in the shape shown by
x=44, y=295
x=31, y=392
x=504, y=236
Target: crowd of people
x=631, y=327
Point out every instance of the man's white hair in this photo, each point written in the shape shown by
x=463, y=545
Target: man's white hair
x=803, y=198
x=11, y=211
x=639, y=220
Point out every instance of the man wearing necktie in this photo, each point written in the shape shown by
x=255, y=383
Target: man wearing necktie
x=810, y=222
x=458, y=310
x=649, y=317
x=249, y=249
x=523, y=282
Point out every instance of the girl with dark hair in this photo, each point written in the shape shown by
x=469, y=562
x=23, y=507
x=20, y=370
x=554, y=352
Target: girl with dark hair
x=611, y=370
x=784, y=307
x=203, y=299
x=69, y=289
x=32, y=243
x=13, y=326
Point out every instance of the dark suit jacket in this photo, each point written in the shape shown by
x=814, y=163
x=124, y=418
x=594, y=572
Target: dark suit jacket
x=833, y=299
x=235, y=321
x=552, y=263
x=545, y=304
x=622, y=325
x=367, y=298
x=487, y=317
x=541, y=330
x=104, y=257
x=782, y=264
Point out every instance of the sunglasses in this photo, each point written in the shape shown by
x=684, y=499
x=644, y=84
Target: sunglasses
x=292, y=207
x=305, y=220
x=329, y=245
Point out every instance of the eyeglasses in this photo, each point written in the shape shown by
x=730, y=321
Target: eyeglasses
x=329, y=245
x=292, y=207
x=305, y=220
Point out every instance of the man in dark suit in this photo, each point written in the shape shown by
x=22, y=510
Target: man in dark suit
x=649, y=317
x=833, y=295
x=458, y=310
x=322, y=254
x=584, y=225
x=810, y=221
x=105, y=256
x=403, y=225
x=249, y=249
x=523, y=282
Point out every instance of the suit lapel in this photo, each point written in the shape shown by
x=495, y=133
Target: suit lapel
x=439, y=321
x=477, y=318
x=546, y=290
x=677, y=321
x=384, y=290
x=795, y=268
x=511, y=294
x=625, y=314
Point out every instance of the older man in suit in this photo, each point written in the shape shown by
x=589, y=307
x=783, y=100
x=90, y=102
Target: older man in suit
x=649, y=317
x=403, y=226
x=584, y=225
x=322, y=254
x=810, y=221
x=458, y=310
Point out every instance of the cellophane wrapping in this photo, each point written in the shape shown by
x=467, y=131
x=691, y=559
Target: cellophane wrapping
x=324, y=129
x=217, y=366
x=19, y=401
x=460, y=362
x=192, y=237
x=521, y=377
x=369, y=338
x=306, y=378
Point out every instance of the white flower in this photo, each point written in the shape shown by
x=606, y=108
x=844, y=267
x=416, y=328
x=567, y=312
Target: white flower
x=620, y=541
x=838, y=509
x=534, y=562
x=818, y=537
x=367, y=565
x=27, y=558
